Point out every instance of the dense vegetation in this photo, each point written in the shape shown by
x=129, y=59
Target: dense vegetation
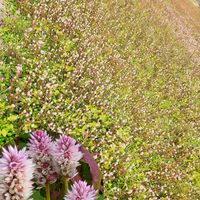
x=112, y=77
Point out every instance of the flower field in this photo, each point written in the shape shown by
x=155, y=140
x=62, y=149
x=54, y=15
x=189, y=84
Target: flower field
x=106, y=76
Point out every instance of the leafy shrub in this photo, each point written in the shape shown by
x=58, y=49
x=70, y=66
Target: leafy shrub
x=6, y=124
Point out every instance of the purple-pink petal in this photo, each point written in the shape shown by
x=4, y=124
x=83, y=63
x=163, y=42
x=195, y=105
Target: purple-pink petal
x=81, y=191
x=67, y=155
x=41, y=149
x=15, y=174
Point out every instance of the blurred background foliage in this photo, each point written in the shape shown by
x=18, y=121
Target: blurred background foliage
x=108, y=74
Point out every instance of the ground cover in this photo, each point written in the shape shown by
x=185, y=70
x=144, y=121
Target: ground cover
x=113, y=77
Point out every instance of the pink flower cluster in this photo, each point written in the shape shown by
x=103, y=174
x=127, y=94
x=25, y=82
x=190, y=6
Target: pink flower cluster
x=16, y=171
x=41, y=150
x=67, y=156
x=49, y=160
x=81, y=191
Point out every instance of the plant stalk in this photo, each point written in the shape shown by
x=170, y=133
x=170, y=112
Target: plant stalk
x=66, y=186
x=47, y=187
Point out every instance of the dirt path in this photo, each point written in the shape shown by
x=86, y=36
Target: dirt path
x=184, y=18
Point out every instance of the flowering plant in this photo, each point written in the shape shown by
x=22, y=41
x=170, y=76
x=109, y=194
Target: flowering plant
x=15, y=175
x=51, y=166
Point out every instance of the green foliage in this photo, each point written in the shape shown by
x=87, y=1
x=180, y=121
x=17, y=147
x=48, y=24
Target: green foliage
x=37, y=195
x=6, y=124
x=101, y=197
x=119, y=82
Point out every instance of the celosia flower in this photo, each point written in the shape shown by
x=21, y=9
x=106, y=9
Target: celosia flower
x=81, y=191
x=67, y=156
x=16, y=172
x=41, y=147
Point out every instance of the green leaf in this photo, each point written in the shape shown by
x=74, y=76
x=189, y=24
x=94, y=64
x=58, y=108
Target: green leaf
x=100, y=197
x=37, y=195
x=12, y=118
x=86, y=172
x=4, y=132
x=166, y=104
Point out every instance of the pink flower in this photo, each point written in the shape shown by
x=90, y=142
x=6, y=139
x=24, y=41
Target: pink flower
x=19, y=69
x=67, y=156
x=16, y=171
x=81, y=191
x=41, y=148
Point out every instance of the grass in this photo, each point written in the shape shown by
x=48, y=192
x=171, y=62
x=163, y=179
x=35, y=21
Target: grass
x=115, y=78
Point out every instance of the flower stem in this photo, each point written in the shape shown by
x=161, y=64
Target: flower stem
x=65, y=180
x=48, y=197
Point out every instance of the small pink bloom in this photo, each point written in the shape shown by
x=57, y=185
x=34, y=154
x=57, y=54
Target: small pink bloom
x=81, y=191
x=19, y=69
x=16, y=171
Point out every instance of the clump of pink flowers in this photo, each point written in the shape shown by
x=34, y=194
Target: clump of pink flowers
x=41, y=150
x=67, y=156
x=81, y=191
x=16, y=171
x=47, y=161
